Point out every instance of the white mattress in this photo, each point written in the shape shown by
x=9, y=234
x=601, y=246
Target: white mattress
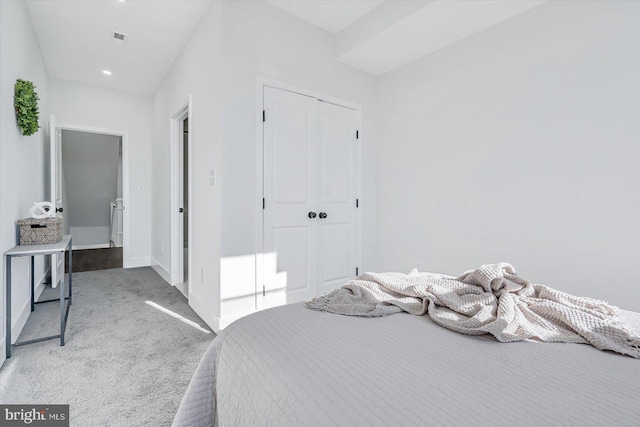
x=294, y=366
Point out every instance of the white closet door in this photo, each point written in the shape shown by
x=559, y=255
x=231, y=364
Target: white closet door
x=290, y=190
x=337, y=160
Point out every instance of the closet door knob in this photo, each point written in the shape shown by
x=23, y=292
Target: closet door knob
x=59, y=209
x=323, y=215
x=311, y=215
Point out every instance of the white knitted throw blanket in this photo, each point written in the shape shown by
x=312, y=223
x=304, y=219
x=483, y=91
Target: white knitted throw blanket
x=492, y=299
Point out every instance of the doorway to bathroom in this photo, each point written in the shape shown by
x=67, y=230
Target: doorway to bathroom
x=92, y=198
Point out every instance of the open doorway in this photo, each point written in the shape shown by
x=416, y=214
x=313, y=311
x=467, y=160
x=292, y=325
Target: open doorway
x=184, y=174
x=92, y=198
x=181, y=198
x=60, y=190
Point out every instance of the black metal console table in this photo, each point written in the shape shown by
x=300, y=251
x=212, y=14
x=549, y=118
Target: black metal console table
x=33, y=250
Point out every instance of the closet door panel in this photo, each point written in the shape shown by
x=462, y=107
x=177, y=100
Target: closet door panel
x=290, y=191
x=335, y=267
x=293, y=256
x=337, y=230
x=291, y=154
x=336, y=142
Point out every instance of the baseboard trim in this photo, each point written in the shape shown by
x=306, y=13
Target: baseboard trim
x=161, y=270
x=18, y=324
x=3, y=354
x=202, y=310
x=94, y=246
x=183, y=288
x=143, y=261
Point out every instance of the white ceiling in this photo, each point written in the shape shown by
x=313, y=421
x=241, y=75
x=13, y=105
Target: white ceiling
x=378, y=37
x=75, y=39
x=331, y=15
x=372, y=35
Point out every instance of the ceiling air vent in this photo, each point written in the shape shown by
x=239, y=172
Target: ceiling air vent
x=117, y=37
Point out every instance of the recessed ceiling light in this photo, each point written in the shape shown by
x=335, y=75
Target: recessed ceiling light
x=107, y=72
x=121, y=1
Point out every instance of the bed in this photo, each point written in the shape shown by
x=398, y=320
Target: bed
x=294, y=366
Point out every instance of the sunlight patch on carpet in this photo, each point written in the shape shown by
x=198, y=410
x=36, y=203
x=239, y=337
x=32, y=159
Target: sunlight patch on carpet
x=177, y=316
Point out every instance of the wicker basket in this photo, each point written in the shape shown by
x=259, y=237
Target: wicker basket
x=35, y=231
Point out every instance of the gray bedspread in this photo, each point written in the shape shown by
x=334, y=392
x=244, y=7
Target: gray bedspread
x=294, y=366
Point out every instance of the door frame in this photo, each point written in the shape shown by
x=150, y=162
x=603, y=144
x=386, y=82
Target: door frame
x=261, y=83
x=177, y=248
x=124, y=135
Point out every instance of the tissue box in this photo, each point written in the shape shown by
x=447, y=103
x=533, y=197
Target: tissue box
x=35, y=231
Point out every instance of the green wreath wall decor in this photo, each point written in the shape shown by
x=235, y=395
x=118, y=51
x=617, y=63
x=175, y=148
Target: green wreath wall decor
x=25, y=102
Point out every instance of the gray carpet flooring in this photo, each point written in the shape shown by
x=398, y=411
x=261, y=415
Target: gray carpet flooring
x=125, y=362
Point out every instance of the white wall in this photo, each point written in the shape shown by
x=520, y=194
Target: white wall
x=90, y=166
x=195, y=71
x=219, y=67
x=261, y=39
x=91, y=237
x=23, y=159
x=520, y=144
x=85, y=105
